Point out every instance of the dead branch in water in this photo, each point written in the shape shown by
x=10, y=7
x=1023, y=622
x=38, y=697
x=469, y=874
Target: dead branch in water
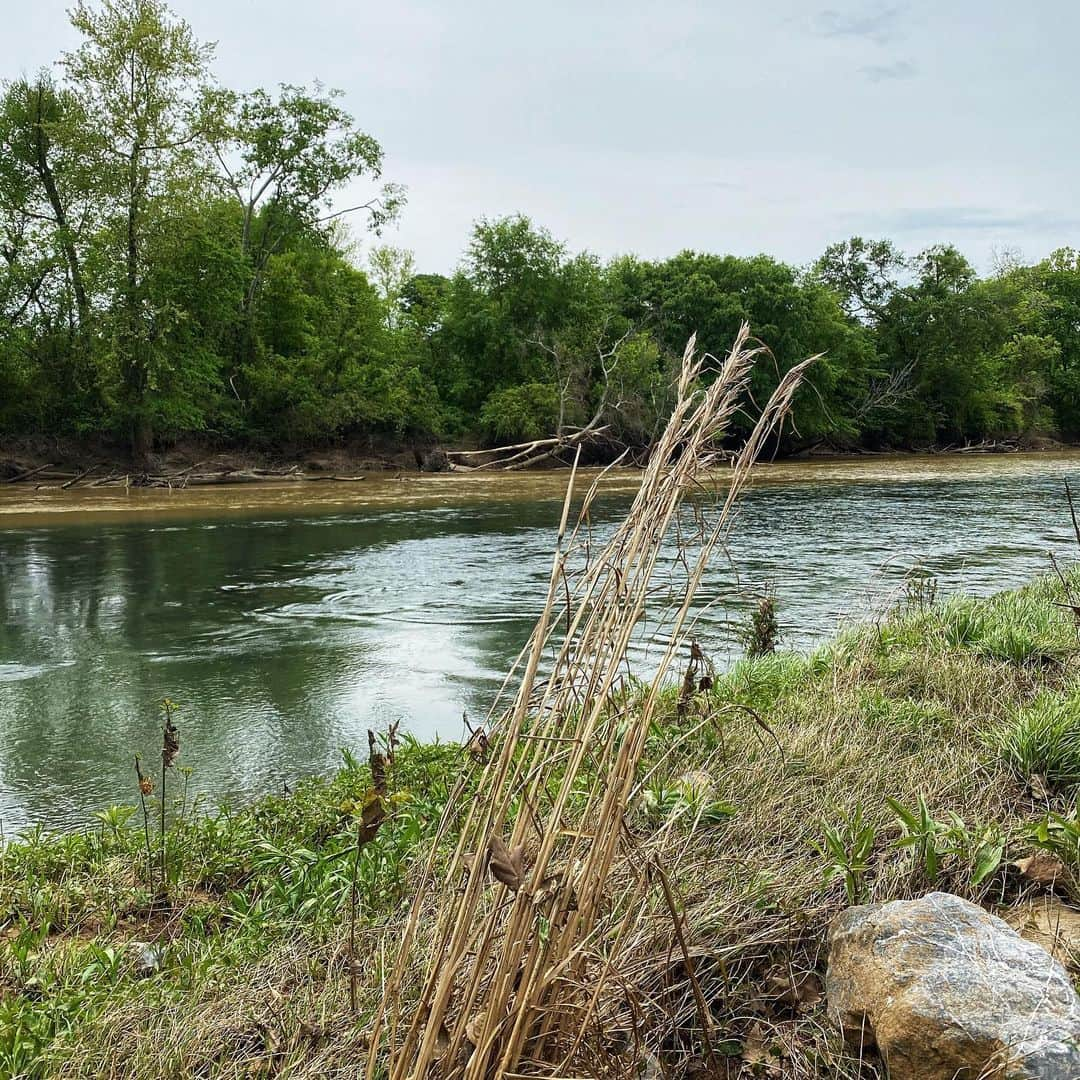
x=505, y=973
x=27, y=474
x=75, y=479
x=524, y=455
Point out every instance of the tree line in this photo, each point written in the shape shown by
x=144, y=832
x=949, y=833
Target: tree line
x=174, y=260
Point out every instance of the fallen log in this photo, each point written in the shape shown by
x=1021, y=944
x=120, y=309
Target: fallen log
x=523, y=455
x=28, y=473
x=75, y=479
x=988, y=447
x=207, y=479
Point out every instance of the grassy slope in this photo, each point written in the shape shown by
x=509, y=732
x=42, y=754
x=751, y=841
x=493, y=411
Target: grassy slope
x=771, y=795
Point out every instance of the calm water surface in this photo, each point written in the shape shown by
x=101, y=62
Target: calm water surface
x=287, y=620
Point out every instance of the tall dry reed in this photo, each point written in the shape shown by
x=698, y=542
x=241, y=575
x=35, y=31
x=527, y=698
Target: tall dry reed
x=510, y=954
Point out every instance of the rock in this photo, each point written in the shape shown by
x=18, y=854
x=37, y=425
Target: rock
x=947, y=990
x=1052, y=924
x=146, y=958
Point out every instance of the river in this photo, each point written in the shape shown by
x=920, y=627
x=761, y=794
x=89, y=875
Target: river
x=285, y=620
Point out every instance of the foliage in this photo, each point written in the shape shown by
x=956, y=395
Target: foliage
x=933, y=842
x=175, y=261
x=847, y=846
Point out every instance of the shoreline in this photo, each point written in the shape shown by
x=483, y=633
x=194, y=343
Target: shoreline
x=75, y=463
x=28, y=505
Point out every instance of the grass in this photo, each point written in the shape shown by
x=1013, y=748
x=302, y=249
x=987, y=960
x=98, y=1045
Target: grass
x=897, y=759
x=1041, y=742
x=77, y=909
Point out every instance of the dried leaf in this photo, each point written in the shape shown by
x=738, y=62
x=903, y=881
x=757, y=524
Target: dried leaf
x=377, y=763
x=478, y=745
x=760, y=1053
x=1039, y=788
x=507, y=864
x=686, y=694
x=170, y=743
x=474, y=1029
x=371, y=817
x=792, y=988
x=1042, y=869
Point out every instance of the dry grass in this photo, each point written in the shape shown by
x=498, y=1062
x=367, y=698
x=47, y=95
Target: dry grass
x=516, y=977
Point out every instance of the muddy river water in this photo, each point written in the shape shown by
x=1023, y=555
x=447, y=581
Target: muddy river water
x=287, y=619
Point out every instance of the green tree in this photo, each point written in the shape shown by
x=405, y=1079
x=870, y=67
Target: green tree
x=284, y=158
x=391, y=269
x=140, y=75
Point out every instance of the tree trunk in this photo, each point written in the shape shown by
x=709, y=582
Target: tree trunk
x=142, y=442
x=67, y=244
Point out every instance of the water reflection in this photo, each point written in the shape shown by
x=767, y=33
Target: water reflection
x=285, y=636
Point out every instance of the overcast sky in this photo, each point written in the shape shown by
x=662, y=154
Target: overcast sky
x=652, y=127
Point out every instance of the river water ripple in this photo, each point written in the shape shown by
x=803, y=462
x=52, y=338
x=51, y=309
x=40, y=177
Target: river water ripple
x=287, y=620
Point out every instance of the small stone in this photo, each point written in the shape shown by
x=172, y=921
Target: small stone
x=147, y=959
x=1049, y=922
x=948, y=991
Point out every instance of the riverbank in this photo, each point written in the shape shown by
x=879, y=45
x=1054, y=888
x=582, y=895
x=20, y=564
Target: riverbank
x=30, y=505
x=935, y=749
x=71, y=463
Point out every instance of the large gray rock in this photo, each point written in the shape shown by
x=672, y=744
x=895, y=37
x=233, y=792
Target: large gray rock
x=949, y=992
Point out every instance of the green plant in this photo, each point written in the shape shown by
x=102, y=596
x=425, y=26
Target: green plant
x=1059, y=834
x=930, y=840
x=847, y=846
x=690, y=796
x=934, y=841
x=1042, y=740
x=961, y=622
x=114, y=819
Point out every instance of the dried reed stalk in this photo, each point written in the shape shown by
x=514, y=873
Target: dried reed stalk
x=504, y=973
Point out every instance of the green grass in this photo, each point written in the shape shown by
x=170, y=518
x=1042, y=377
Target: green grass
x=896, y=759
x=240, y=882
x=1041, y=742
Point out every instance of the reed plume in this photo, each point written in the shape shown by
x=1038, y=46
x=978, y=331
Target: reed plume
x=510, y=973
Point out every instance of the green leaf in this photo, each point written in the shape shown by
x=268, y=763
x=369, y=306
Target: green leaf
x=905, y=815
x=987, y=860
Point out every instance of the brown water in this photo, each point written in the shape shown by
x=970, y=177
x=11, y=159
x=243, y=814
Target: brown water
x=286, y=619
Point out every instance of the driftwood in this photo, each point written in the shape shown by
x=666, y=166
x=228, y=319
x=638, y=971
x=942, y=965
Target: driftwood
x=75, y=479
x=187, y=477
x=206, y=479
x=522, y=455
x=27, y=474
x=987, y=447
